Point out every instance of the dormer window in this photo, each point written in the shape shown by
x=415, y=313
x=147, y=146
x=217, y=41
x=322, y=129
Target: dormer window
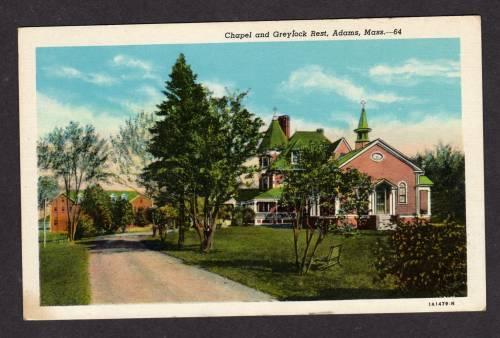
x=294, y=157
x=124, y=196
x=264, y=162
x=113, y=197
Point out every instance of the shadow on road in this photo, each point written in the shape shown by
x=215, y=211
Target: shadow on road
x=106, y=245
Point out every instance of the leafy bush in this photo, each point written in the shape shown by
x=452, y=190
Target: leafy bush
x=425, y=260
x=243, y=216
x=86, y=227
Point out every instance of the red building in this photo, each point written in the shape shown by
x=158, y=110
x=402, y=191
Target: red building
x=400, y=188
x=59, y=207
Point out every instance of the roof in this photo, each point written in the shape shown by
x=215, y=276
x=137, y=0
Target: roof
x=274, y=138
x=299, y=140
x=246, y=194
x=274, y=193
x=363, y=121
x=346, y=157
x=424, y=180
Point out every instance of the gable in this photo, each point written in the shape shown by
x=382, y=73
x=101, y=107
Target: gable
x=391, y=152
x=340, y=147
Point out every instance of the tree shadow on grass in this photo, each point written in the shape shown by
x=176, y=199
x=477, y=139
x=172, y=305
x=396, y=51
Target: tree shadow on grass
x=348, y=294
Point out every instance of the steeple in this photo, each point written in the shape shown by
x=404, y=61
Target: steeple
x=362, y=129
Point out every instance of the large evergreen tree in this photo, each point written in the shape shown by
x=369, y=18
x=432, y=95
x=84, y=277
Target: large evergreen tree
x=199, y=144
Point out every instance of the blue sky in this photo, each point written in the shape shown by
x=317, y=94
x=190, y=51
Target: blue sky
x=412, y=87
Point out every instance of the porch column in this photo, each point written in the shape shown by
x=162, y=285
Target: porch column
x=393, y=201
x=255, y=205
x=417, y=201
x=429, y=202
x=337, y=206
x=370, y=203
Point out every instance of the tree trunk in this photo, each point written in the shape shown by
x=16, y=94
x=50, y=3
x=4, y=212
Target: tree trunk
x=182, y=221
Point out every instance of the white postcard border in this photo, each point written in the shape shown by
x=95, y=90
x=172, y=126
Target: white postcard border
x=466, y=28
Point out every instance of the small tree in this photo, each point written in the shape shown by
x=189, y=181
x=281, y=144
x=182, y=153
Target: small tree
x=164, y=217
x=96, y=203
x=76, y=155
x=354, y=198
x=314, y=180
x=123, y=214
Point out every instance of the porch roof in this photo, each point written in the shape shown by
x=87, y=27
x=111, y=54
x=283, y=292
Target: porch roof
x=424, y=180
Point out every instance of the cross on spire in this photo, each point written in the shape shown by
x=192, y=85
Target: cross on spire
x=363, y=103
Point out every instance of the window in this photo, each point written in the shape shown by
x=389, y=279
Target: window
x=113, y=197
x=402, y=193
x=264, y=162
x=295, y=157
x=377, y=157
x=124, y=196
x=264, y=183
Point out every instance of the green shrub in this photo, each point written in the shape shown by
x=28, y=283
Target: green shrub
x=243, y=216
x=85, y=227
x=140, y=218
x=425, y=260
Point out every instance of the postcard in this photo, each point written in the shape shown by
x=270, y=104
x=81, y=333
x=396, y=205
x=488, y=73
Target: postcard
x=252, y=168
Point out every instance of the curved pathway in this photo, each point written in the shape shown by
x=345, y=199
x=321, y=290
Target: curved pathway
x=122, y=270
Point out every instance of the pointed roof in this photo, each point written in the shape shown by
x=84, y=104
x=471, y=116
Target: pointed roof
x=274, y=138
x=363, y=122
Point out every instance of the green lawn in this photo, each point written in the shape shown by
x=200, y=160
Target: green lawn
x=262, y=258
x=64, y=274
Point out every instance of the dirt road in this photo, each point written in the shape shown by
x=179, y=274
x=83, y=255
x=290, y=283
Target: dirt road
x=122, y=270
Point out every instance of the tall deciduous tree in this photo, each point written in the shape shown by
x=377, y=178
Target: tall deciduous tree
x=96, y=203
x=445, y=166
x=76, y=155
x=130, y=149
x=200, y=145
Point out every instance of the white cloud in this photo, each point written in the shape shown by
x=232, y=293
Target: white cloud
x=218, y=88
x=73, y=73
x=124, y=60
x=151, y=98
x=53, y=113
x=413, y=70
x=315, y=77
x=145, y=67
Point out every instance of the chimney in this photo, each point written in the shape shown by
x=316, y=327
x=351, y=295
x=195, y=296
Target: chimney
x=284, y=121
x=320, y=130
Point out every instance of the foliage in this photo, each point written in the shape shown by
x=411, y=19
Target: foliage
x=64, y=276
x=355, y=200
x=97, y=205
x=200, y=144
x=243, y=216
x=86, y=227
x=77, y=155
x=163, y=218
x=47, y=189
x=316, y=181
x=130, y=148
x=260, y=258
x=445, y=166
x=140, y=217
x=123, y=214
x=425, y=259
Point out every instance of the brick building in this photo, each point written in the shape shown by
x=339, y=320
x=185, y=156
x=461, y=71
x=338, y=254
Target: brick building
x=400, y=187
x=59, y=207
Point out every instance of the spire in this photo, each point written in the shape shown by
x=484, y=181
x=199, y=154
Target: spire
x=363, y=129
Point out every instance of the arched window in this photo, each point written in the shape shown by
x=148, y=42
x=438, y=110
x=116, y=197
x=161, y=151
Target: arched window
x=403, y=196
